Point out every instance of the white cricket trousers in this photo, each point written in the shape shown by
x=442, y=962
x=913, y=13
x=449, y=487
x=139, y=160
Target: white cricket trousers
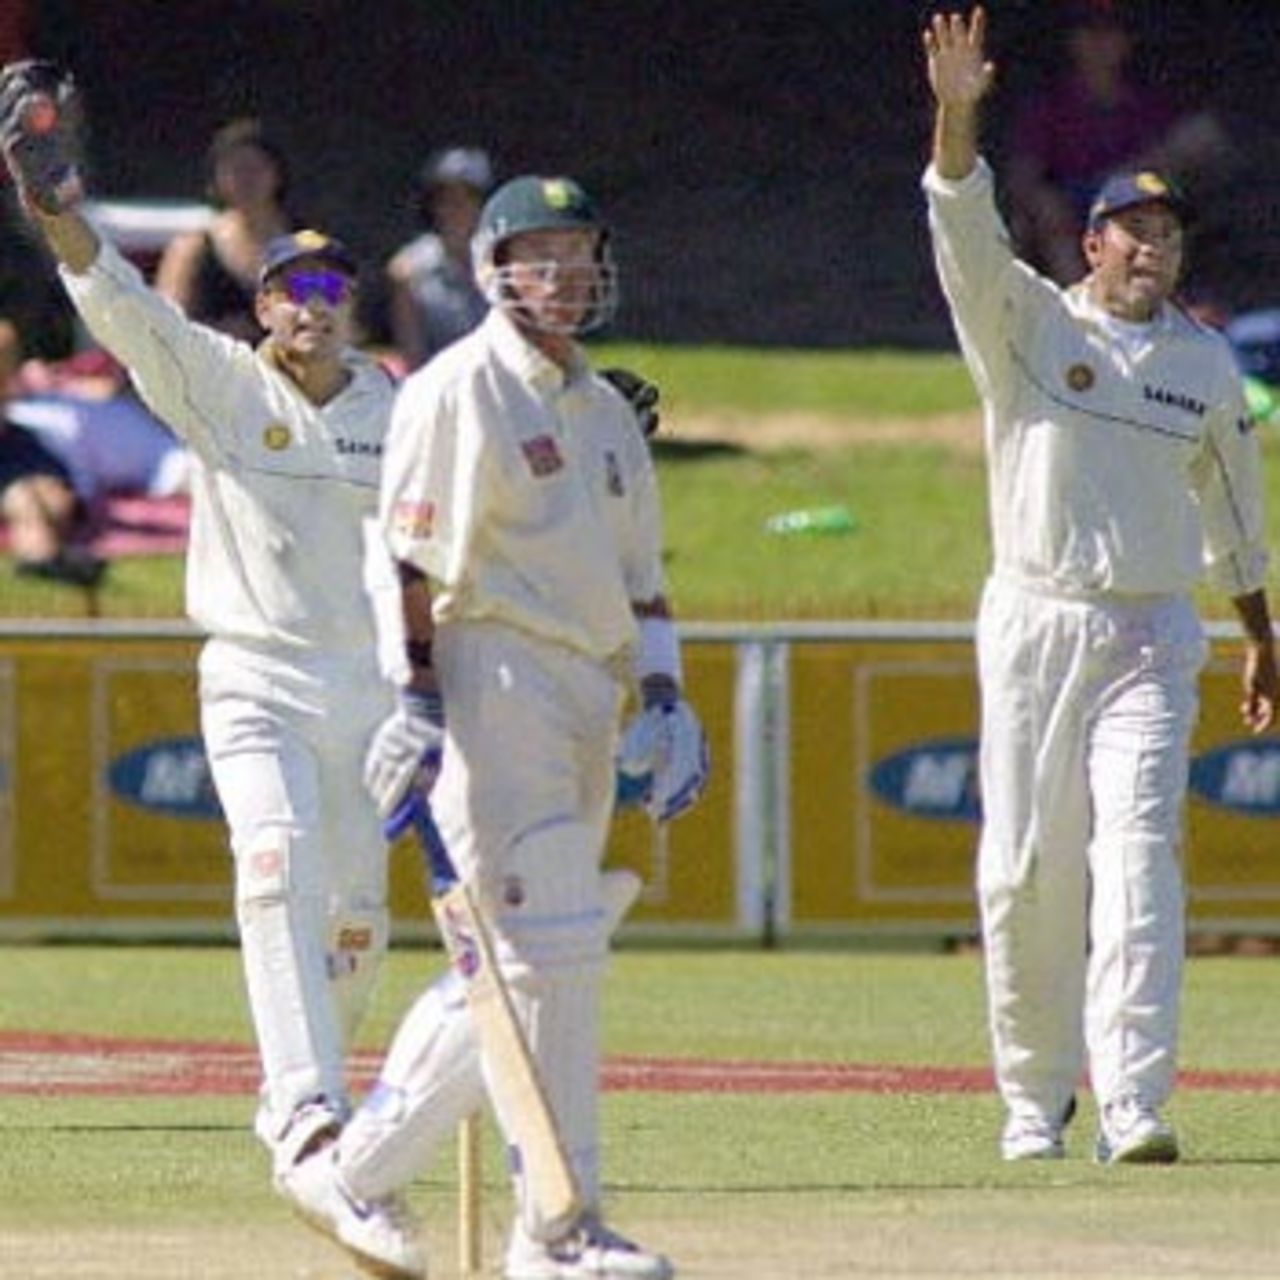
x=286, y=741
x=1087, y=711
x=523, y=805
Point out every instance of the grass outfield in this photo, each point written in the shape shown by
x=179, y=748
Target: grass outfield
x=910, y=474
x=722, y=562
x=753, y=1186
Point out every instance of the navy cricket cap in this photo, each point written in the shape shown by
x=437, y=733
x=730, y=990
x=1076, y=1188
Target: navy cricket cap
x=1126, y=190
x=283, y=250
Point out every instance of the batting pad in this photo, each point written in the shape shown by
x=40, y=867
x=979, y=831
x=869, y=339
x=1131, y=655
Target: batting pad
x=357, y=943
x=282, y=935
x=432, y=1080
x=562, y=1023
x=429, y=1083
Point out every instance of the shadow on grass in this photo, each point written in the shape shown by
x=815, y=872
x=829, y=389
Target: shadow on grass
x=694, y=450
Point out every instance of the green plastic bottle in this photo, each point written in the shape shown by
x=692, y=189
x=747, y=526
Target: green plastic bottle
x=835, y=519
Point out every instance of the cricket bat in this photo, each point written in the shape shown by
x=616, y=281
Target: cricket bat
x=537, y=1149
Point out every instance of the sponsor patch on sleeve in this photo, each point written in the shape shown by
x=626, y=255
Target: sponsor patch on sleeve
x=413, y=519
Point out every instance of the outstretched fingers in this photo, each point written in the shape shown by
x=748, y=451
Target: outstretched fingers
x=955, y=49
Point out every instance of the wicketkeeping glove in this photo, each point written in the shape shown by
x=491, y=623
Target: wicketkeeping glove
x=406, y=750
x=38, y=112
x=664, y=755
x=639, y=393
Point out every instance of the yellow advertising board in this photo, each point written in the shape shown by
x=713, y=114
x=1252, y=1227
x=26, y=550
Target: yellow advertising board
x=688, y=866
x=109, y=822
x=106, y=811
x=885, y=806
x=1233, y=832
x=883, y=789
x=844, y=795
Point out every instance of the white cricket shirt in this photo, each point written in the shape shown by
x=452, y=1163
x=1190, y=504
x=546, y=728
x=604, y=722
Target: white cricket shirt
x=525, y=493
x=280, y=484
x=1115, y=464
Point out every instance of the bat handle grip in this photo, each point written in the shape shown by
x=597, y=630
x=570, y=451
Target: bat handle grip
x=439, y=865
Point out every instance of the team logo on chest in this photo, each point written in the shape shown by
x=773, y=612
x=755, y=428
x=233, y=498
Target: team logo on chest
x=276, y=436
x=1080, y=377
x=543, y=455
x=613, y=474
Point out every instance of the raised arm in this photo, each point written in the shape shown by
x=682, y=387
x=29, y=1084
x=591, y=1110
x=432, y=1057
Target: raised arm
x=960, y=77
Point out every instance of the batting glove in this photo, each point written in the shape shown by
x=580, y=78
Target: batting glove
x=37, y=134
x=406, y=750
x=664, y=758
x=641, y=394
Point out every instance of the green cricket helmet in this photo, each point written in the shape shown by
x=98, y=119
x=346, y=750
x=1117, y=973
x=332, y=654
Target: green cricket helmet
x=533, y=203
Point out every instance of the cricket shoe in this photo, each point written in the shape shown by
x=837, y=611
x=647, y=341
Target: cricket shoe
x=1130, y=1132
x=1035, y=1137
x=312, y=1125
x=589, y=1252
x=383, y=1236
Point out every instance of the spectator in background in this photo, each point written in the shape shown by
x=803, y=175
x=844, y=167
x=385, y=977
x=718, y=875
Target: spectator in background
x=85, y=412
x=213, y=274
x=40, y=508
x=1092, y=120
x=433, y=295
x=15, y=29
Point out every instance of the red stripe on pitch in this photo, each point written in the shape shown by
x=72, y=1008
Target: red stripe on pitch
x=59, y=1064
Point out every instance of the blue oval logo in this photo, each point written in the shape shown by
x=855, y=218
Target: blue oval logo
x=169, y=776
x=937, y=779
x=1243, y=776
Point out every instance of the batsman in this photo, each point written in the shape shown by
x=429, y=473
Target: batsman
x=1122, y=466
x=519, y=506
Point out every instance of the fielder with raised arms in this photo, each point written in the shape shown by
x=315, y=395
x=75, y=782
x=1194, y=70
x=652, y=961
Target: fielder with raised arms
x=1122, y=465
x=520, y=507
x=288, y=439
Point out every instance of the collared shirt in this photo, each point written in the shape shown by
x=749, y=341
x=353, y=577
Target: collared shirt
x=525, y=492
x=1114, y=465
x=280, y=484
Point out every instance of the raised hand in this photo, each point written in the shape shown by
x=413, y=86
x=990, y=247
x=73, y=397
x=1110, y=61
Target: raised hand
x=38, y=134
x=959, y=73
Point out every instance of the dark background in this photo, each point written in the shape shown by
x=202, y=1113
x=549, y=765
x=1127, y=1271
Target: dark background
x=760, y=161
